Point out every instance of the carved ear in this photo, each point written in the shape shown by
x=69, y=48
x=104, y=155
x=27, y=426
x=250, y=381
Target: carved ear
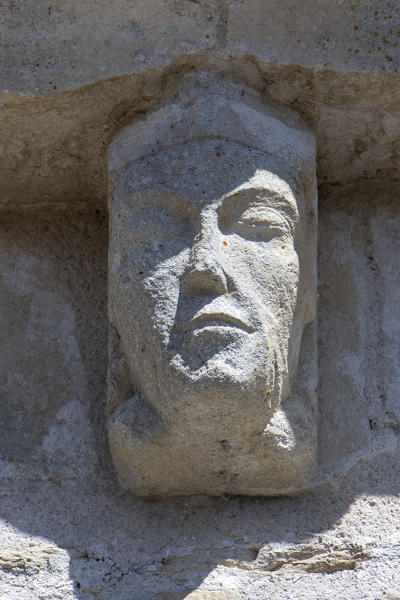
x=290, y=439
x=134, y=418
x=303, y=376
x=118, y=376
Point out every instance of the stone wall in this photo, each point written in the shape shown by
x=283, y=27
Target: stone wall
x=73, y=75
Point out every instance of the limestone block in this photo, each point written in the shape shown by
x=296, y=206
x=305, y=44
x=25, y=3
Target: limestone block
x=386, y=225
x=214, y=595
x=46, y=47
x=201, y=595
x=212, y=360
x=344, y=35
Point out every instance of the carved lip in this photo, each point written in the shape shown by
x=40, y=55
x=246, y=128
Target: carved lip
x=219, y=319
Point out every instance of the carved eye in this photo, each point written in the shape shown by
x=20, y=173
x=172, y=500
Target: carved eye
x=255, y=222
x=262, y=222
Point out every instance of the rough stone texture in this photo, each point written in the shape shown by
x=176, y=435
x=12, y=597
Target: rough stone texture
x=57, y=47
x=53, y=147
x=68, y=530
x=355, y=286
x=76, y=74
x=212, y=299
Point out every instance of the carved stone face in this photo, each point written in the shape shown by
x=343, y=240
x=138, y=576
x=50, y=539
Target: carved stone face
x=207, y=277
x=211, y=286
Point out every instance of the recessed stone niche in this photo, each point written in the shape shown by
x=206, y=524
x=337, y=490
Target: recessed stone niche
x=143, y=421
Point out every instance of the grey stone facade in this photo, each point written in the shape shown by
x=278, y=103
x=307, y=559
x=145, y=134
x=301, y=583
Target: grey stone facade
x=76, y=78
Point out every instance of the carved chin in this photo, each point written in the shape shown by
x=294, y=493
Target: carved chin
x=227, y=356
x=236, y=375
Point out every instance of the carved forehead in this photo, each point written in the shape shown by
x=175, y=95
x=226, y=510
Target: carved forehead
x=208, y=141
x=206, y=171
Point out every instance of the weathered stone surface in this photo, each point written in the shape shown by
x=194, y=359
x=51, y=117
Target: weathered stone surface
x=201, y=595
x=30, y=561
x=349, y=35
x=214, y=595
x=356, y=231
x=71, y=44
x=46, y=48
x=77, y=74
x=212, y=272
x=53, y=148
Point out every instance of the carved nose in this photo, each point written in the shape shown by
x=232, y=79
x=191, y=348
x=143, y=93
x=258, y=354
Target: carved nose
x=204, y=274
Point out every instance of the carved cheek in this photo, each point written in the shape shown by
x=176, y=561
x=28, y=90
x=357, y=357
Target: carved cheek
x=162, y=288
x=275, y=274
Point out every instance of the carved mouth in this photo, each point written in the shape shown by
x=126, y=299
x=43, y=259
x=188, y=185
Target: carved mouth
x=219, y=319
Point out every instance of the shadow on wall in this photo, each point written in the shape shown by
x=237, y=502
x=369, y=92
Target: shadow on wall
x=57, y=478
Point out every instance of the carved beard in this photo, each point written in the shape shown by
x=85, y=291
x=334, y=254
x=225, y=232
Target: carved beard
x=238, y=383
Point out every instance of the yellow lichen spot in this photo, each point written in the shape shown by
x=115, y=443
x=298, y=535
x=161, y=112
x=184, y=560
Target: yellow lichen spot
x=389, y=58
x=258, y=343
x=225, y=243
x=218, y=154
x=283, y=245
x=356, y=27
